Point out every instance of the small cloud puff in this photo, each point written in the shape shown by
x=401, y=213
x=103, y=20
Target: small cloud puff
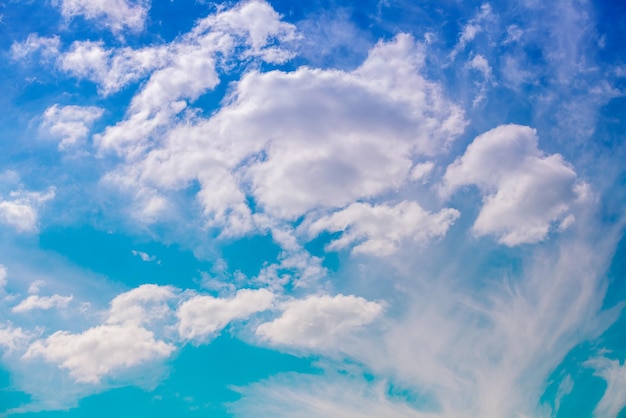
x=33, y=302
x=20, y=209
x=524, y=191
x=69, y=124
x=203, y=316
x=319, y=321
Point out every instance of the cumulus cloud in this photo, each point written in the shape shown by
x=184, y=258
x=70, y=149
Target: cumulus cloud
x=141, y=305
x=69, y=124
x=116, y=15
x=201, y=317
x=295, y=141
x=525, y=192
x=100, y=351
x=20, y=209
x=319, y=321
x=614, y=398
x=33, y=302
x=379, y=229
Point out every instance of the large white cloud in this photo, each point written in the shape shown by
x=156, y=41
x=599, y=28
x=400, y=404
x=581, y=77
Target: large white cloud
x=526, y=193
x=295, y=141
x=100, y=351
x=319, y=321
x=201, y=317
x=379, y=229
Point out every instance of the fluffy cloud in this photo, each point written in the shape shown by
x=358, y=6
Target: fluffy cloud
x=203, y=316
x=141, y=305
x=13, y=338
x=33, y=302
x=116, y=15
x=525, y=192
x=100, y=351
x=318, y=321
x=20, y=209
x=379, y=229
x=295, y=141
x=69, y=124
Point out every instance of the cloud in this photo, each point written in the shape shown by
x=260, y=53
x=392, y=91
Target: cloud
x=614, y=398
x=302, y=396
x=47, y=47
x=33, y=302
x=35, y=286
x=379, y=229
x=20, y=209
x=100, y=351
x=525, y=192
x=142, y=305
x=144, y=256
x=69, y=124
x=117, y=15
x=301, y=140
x=201, y=317
x=319, y=321
x=14, y=338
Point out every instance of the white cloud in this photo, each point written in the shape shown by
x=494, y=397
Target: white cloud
x=319, y=321
x=47, y=47
x=144, y=256
x=524, y=191
x=20, y=209
x=421, y=172
x=116, y=15
x=614, y=398
x=141, y=305
x=379, y=229
x=100, y=351
x=35, y=286
x=70, y=124
x=201, y=317
x=13, y=338
x=33, y=302
x=300, y=140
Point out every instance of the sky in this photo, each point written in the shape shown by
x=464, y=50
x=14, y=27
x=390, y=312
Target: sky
x=325, y=208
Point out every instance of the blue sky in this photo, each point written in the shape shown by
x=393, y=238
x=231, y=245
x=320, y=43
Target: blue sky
x=312, y=209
